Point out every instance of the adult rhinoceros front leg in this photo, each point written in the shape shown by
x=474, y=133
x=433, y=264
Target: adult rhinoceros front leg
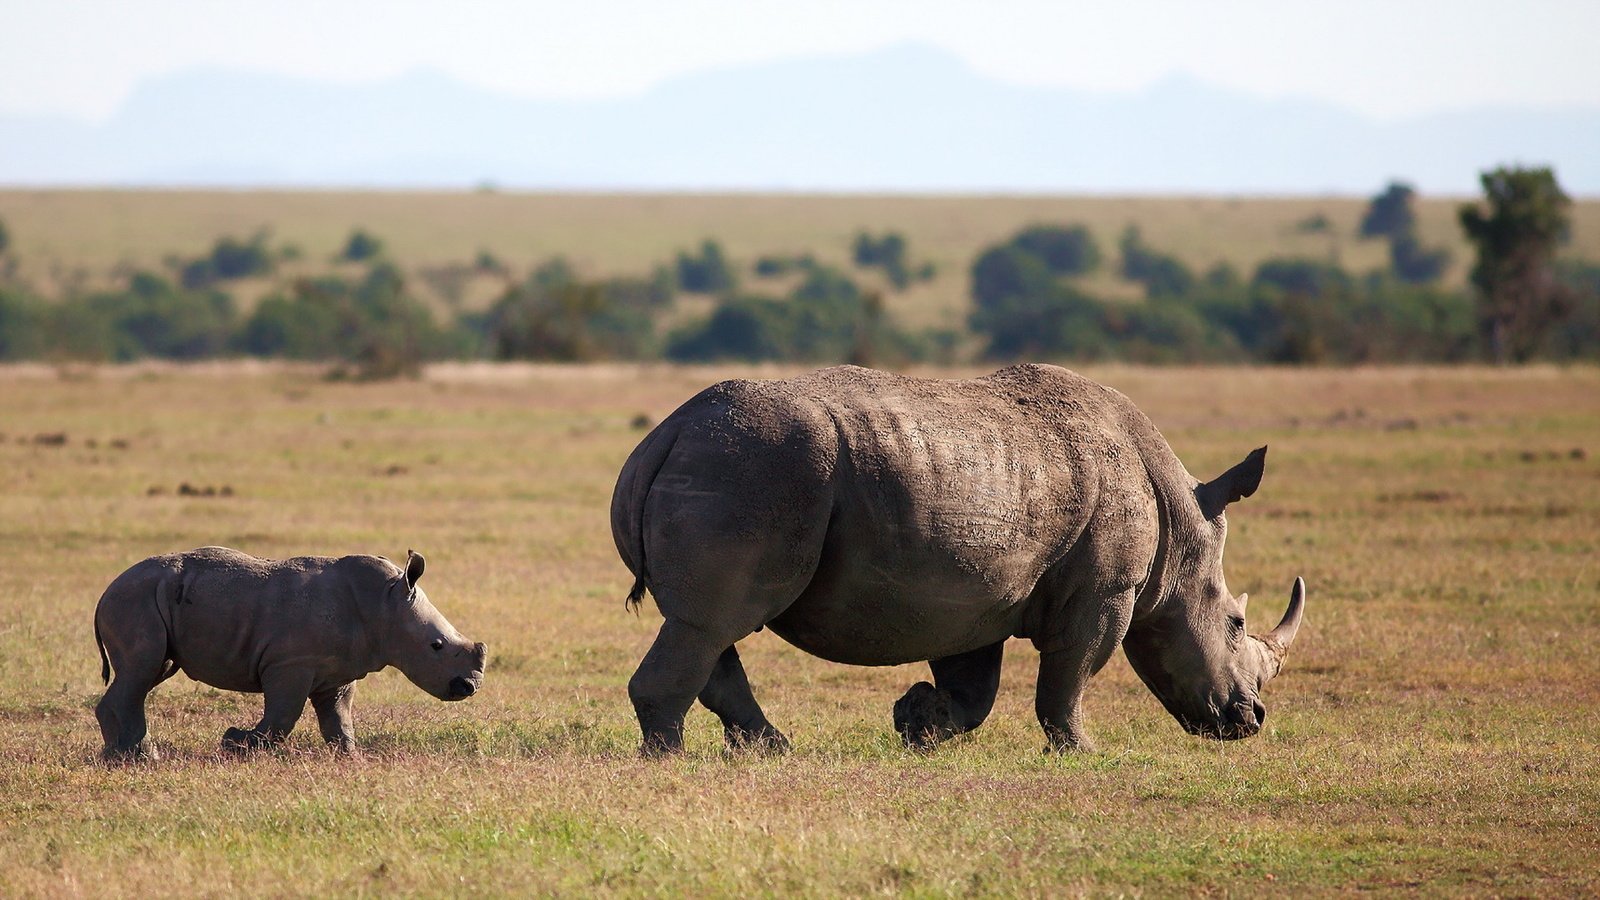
x=962, y=693
x=1093, y=631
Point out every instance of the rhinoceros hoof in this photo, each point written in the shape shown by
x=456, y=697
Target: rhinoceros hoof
x=237, y=740
x=141, y=753
x=923, y=717
x=764, y=740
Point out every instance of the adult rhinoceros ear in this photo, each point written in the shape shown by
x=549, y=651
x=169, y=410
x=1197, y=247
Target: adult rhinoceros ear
x=1236, y=483
x=414, y=564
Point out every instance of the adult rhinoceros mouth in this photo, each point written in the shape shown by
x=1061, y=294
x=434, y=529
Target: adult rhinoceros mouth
x=1219, y=731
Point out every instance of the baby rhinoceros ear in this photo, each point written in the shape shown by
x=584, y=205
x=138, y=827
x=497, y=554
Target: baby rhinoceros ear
x=414, y=564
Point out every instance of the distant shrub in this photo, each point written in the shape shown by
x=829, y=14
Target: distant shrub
x=5, y=237
x=1301, y=276
x=361, y=246
x=1316, y=223
x=22, y=325
x=1004, y=273
x=826, y=317
x=1389, y=213
x=488, y=263
x=230, y=258
x=1415, y=264
x=1064, y=250
x=775, y=265
x=152, y=317
x=887, y=252
x=1162, y=275
x=706, y=272
x=555, y=315
x=371, y=323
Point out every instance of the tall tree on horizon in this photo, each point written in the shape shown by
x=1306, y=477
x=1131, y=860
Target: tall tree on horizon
x=1519, y=296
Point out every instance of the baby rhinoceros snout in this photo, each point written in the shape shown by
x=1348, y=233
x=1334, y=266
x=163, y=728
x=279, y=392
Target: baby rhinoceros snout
x=464, y=686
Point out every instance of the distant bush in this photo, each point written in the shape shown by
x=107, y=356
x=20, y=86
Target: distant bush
x=5, y=237
x=1064, y=250
x=1389, y=213
x=706, y=272
x=776, y=265
x=1316, y=223
x=889, y=253
x=488, y=263
x=22, y=325
x=229, y=259
x=1415, y=264
x=360, y=247
x=1161, y=274
x=826, y=317
x=370, y=323
x=554, y=315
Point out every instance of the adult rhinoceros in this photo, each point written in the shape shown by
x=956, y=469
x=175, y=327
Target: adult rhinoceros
x=875, y=519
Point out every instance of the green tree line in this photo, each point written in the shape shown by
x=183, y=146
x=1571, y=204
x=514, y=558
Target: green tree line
x=1029, y=294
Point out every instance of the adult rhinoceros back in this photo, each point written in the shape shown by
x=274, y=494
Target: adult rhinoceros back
x=875, y=519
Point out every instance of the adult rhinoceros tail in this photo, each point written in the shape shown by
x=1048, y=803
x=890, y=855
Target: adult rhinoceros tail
x=636, y=595
x=105, y=661
x=628, y=504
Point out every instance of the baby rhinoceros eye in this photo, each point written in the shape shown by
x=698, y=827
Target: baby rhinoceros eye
x=437, y=645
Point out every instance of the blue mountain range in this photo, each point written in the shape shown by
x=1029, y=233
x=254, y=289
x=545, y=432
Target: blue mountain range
x=903, y=119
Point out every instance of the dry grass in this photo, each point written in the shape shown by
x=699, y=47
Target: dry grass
x=62, y=235
x=1436, y=729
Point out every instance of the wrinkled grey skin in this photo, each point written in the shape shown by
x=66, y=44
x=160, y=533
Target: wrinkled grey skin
x=291, y=629
x=873, y=519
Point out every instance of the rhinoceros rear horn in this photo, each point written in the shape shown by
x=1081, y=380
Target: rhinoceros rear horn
x=414, y=564
x=1237, y=483
x=1275, y=643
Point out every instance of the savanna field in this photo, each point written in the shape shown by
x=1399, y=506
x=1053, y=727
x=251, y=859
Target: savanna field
x=1435, y=729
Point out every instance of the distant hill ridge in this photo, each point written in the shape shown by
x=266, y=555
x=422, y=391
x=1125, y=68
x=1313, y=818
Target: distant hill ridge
x=902, y=119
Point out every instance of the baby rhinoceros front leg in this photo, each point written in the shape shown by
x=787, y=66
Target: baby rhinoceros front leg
x=334, y=716
x=285, y=694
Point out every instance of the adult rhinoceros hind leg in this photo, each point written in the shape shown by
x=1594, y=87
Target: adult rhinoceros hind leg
x=666, y=683
x=962, y=693
x=744, y=726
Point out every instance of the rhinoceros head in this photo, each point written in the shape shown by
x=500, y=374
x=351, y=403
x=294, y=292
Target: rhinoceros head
x=1192, y=650
x=422, y=643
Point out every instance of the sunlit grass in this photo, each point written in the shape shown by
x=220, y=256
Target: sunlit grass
x=1434, y=730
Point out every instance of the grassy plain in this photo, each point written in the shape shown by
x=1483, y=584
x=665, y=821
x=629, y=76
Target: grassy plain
x=63, y=236
x=1435, y=731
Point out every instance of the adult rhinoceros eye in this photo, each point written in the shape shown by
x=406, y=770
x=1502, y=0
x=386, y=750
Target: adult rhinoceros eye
x=437, y=645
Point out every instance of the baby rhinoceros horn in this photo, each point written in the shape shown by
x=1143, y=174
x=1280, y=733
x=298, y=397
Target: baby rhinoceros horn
x=1274, y=645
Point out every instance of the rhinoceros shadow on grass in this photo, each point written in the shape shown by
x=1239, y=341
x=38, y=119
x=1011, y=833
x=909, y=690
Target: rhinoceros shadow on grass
x=874, y=519
x=291, y=630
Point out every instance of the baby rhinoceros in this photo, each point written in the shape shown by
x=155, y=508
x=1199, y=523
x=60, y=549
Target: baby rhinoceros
x=290, y=629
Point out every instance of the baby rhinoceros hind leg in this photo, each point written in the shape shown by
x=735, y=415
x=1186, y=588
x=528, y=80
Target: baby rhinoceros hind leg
x=138, y=656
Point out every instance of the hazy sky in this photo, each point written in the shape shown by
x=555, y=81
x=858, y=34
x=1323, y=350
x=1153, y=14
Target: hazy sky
x=1387, y=59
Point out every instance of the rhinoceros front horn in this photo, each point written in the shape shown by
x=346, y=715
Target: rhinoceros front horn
x=1275, y=643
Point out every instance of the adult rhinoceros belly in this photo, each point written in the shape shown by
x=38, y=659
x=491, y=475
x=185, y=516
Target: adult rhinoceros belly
x=950, y=501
